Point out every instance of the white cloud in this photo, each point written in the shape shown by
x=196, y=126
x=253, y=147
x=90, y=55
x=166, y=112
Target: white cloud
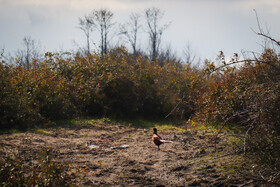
x=81, y=5
x=207, y=24
x=269, y=6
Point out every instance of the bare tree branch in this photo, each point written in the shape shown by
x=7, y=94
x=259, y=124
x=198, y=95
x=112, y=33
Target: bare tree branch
x=31, y=51
x=247, y=60
x=86, y=24
x=154, y=29
x=103, y=20
x=131, y=29
x=270, y=38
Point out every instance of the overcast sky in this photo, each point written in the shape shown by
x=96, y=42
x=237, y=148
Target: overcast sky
x=209, y=26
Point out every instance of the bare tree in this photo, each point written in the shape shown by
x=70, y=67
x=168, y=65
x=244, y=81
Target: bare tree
x=269, y=41
x=190, y=57
x=86, y=24
x=130, y=30
x=30, y=52
x=168, y=55
x=4, y=57
x=2, y=53
x=103, y=21
x=153, y=17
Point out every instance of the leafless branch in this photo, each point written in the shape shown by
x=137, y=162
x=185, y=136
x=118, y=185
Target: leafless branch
x=181, y=100
x=154, y=29
x=131, y=29
x=103, y=20
x=86, y=24
x=247, y=60
x=270, y=38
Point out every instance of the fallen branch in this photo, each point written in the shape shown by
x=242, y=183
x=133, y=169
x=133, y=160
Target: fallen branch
x=181, y=100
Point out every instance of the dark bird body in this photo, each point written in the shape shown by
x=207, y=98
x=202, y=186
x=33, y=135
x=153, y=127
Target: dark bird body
x=158, y=140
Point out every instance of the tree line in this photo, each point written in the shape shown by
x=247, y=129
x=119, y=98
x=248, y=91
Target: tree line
x=99, y=27
x=102, y=21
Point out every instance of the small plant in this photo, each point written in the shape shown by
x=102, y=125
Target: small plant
x=202, y=150
x=48, y=172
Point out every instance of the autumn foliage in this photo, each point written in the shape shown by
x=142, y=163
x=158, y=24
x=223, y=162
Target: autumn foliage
x=121, y=85
x=246, y=96
x=117, y=84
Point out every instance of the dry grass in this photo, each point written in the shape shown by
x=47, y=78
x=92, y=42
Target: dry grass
x=124, y=155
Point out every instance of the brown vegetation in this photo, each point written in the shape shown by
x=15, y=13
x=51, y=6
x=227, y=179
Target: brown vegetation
x=121, y=85
x=106, y=153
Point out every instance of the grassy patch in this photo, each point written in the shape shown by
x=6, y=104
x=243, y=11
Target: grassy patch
x=42, y=131
x=77, y=123
x=139, y=123
x=160, y=125
x=10, y=131
x=169, y=127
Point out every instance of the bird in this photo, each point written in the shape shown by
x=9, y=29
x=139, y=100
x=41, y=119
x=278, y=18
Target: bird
x=158, y=140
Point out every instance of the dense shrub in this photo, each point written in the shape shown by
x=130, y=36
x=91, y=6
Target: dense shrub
x=122, y=85
x=116, y=84
x=247, y=96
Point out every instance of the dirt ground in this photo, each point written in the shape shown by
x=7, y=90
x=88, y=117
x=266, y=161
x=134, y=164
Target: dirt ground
x=124, y=155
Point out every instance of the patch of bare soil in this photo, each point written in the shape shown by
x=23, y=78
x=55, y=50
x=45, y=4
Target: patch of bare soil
x=115, y=155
